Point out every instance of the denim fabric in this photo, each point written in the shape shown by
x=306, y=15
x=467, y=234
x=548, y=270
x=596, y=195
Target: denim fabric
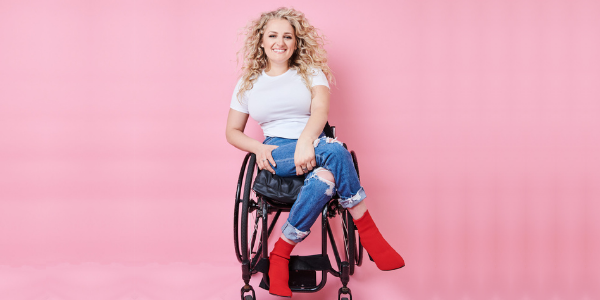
x=330, y=155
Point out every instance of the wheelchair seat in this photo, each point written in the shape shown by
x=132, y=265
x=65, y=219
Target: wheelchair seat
x=279, y=190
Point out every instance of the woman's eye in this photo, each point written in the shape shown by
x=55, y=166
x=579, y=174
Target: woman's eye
x=288, y=37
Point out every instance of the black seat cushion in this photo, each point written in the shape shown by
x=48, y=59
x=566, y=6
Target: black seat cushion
x=281, y=189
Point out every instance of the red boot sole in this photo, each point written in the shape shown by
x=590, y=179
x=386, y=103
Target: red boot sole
x=280, y=295
x=394, y=269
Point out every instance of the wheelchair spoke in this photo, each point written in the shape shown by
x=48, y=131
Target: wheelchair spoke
x=345, y=230
x=254, y=235
x=349, y=239
x=346, y=233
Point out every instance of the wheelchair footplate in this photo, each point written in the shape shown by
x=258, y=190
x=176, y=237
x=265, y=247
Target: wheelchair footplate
x=303, y=271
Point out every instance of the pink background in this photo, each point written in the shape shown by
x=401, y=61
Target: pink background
x=476, y=125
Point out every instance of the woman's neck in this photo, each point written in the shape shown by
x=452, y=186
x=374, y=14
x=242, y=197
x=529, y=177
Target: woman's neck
x=276, y=69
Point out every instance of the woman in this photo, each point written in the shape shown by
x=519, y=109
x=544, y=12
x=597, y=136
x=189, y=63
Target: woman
x=284, y=87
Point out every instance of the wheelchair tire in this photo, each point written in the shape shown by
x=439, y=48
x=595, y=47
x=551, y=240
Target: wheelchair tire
x=359, y=247
x=247, y=237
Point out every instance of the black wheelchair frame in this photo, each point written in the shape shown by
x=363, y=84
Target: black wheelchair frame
x=251, y=237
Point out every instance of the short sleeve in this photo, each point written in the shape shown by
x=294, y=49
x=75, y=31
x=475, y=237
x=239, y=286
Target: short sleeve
x=319, y=78
x=235, y=103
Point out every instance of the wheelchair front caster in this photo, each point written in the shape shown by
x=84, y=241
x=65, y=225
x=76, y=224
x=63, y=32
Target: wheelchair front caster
x=248, y=289
x=344, y=291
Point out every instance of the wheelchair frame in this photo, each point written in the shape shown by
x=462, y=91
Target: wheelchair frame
x=253, y=254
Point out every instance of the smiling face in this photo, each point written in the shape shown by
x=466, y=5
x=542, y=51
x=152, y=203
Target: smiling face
x=279, y=41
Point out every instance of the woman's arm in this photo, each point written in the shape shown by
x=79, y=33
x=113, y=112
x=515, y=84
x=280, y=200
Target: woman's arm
x=319, y=111
x=234, y=131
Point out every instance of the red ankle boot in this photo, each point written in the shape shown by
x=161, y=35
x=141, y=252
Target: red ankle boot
x=385, y=257
x=279, y=273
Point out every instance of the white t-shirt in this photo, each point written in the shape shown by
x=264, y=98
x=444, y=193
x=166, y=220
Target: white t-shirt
x=280, y=104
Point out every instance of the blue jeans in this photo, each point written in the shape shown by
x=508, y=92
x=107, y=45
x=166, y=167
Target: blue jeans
x=330, y=155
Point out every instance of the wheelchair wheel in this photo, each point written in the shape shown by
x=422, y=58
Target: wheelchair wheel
x=358, y=254
x=247, y=226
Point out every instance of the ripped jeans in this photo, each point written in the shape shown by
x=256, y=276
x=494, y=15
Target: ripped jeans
x=330, y=155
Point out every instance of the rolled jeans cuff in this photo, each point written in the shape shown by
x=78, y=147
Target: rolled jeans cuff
x=354, y=200
x=292, y=233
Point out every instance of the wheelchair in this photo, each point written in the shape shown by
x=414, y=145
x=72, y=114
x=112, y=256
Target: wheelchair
x=256, y=200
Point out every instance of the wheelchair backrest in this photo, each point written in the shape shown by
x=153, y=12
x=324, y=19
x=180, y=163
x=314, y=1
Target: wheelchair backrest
x=329, y=130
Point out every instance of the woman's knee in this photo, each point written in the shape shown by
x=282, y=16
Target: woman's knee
x=326, y=178
x=325, y=174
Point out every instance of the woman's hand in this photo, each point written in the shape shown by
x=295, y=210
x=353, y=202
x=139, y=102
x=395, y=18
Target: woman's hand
x=304, y=157
x=263, y=157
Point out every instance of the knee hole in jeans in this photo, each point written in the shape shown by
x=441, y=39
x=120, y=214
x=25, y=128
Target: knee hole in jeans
x=325, y=174
x=327, y=177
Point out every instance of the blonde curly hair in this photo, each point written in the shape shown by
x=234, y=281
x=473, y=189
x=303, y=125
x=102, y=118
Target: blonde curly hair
x=309, y=51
